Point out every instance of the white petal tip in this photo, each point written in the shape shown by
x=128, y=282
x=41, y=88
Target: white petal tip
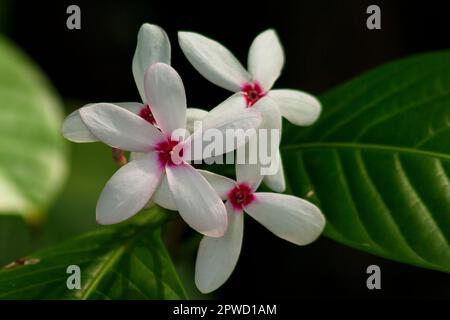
x=74, y=129
x=279, y=189
x=270, y=31
x=315, y=114
x=215, y=62
x=275, y=185
x=204, y=289
x=221, y=226
x=103, y=219
x=217, y=233
x=296, y=220
x=150, y=26
x=84, y=110
x=298, y=107
x=106, y=221
x=182, y=34
x=103, y=222
x=320, y=223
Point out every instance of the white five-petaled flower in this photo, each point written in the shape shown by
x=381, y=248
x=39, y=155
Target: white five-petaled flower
x=290, y=218
x=265, y=62
x=159, y=170
x=153, y=46
x=161, y=155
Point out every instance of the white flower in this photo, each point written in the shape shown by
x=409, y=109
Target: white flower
x=152, y=46
x=290, y=218
x=120, y=201
x=265, y=61
x=162, y=157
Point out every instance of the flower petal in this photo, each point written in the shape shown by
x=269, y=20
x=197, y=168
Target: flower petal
x=222, y=185
x=266, y=58
x=153, y=46
x=215, y=62
x=120, y=128
x=290, y=218
x=231, y=114
x=129, y=189
x=249, y=173
x=196, y=200
x=271, y=119
x=234, y=104
x=269, y=135
x=270, y=113
x=165, y=94
x=276, y=181
x=134, y=107
x=75, y=130
x=300, y=108
x=163, y=196
x=217, y=257
x=192, y=115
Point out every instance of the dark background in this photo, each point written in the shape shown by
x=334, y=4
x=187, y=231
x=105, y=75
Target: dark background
x=326, y=43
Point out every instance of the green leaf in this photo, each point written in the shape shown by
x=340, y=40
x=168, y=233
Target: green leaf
x=378, y=161
x=73, y=212
x=15, y=238
x=124, y=261
x=32, y=151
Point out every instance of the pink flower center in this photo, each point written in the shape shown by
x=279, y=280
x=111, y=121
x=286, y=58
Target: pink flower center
x=166, y=151
x=241, y=196
x=147, y=115
x=253, y=92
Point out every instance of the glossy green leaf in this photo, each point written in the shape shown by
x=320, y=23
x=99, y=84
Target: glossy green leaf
x=378, y=161
x=124, y=261
x=32, y=151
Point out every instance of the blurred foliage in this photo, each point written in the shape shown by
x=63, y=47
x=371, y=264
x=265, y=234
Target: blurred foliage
x=74, y=211
x=32, y=152
x=15, y=238
x=123, y=261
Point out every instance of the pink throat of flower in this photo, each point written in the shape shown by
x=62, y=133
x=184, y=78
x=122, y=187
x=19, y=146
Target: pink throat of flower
x=147, y=115
x=253, y=92
x=166, y=154
x=241, y=196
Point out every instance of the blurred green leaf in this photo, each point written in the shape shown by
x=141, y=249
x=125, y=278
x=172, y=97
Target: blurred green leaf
x=73, y=212
x=15, y=238
x=378, y=161
x=124, y=261
x=32, y=151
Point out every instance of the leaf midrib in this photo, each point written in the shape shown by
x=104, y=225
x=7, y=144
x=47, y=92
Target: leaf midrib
x=367, y=146
x=113, y=258
x=375, y=147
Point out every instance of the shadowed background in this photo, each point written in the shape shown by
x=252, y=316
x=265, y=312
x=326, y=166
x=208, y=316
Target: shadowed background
x=325, y=42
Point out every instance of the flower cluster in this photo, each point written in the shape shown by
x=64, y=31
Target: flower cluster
x=160, y=134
